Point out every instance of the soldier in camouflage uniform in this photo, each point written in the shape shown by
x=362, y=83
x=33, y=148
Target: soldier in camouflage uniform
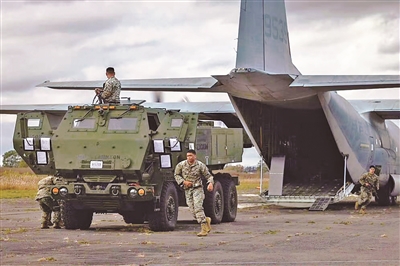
x=188, y=175
x=369, y=181
x=111, y=88
x=47, y=203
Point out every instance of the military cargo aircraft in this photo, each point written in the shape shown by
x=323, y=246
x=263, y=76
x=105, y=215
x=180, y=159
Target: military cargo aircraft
x=312, y=139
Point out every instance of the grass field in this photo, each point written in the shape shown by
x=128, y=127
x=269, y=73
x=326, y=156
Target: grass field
x=250, y=182
x=22, y=182
x=18, y=183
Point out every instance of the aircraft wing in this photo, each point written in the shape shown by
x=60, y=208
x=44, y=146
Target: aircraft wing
x=194, y=107
x=346, y=82
x=386, y=109
x=223, y=111
x=210, y=84
x=50, y=108
x=200, y=84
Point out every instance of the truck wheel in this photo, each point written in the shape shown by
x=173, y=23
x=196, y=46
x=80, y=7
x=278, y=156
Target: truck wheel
x=166, y=218
x=70, y=215
x=85, y=219
x=214, y=203
x=75, y=219
x=230, y=200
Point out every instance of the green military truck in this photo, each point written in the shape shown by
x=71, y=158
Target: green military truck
x=121, y=159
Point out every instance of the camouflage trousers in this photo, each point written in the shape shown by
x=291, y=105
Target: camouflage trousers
x=48, y=205
x=194, y=199
x=365, y=198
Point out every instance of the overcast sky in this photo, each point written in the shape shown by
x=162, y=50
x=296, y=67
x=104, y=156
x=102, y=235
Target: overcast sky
x=77, y=40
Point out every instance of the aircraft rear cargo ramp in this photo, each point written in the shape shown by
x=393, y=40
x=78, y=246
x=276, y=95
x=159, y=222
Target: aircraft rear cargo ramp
x=316, y=194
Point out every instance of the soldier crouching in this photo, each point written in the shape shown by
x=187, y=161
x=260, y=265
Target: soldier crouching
x=47, y=203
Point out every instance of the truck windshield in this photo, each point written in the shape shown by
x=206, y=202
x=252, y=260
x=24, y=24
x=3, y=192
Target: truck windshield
x=123, y=123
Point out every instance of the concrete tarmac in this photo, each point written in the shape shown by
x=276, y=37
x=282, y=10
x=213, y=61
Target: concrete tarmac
x=261, y=235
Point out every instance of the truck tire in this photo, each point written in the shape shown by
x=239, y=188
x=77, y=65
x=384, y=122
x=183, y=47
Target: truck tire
x=230, y=200
x=166, y=218
x=214, y=203
x=85, y=219
x=75, y=219
x=69, y=215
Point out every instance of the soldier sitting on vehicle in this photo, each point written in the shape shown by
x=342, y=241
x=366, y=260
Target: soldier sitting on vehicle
x=369, y=184
x=111, y=88
x=47, y=203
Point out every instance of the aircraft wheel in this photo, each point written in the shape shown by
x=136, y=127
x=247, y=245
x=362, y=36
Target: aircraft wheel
x=385, y=199
x=394, y=200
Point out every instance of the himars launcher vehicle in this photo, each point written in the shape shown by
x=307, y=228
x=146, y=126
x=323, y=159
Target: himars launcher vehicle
x=121, y=159
x=313, y=140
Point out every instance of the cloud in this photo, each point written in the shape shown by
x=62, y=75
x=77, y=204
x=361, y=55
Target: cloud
x=347, y=10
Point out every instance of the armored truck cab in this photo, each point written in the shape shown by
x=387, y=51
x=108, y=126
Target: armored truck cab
x=121, y=159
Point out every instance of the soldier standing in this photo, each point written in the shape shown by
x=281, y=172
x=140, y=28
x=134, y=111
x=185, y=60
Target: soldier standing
x=47, y=203
x=111, y=88
x=188, y=175
x=369, y=182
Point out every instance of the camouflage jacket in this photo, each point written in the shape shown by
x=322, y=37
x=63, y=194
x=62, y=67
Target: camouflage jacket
x=371, y=179
x=44, y=187
x=111, y=90
x=186, y=172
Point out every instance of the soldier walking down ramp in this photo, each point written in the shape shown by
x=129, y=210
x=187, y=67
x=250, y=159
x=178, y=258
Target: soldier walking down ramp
x=47, y=203
x=369, y=184
x=188, y=175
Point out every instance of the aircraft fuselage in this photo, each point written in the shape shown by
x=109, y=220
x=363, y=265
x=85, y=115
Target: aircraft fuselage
x=313, y=130
x=275, y=90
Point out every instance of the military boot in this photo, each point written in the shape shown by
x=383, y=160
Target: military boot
x=44, y=225
x=362, y=211
x=356, y=206
x=61, y=223
x=208, y=220
x=203, y=231
x=57, y=225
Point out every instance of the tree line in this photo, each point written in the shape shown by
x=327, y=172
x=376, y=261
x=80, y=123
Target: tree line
x=13, y=160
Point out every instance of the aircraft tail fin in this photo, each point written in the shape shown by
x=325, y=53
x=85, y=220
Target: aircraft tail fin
x=263, y=41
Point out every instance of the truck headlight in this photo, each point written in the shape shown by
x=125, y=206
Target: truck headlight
x=133, y=192
x=63, y=191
